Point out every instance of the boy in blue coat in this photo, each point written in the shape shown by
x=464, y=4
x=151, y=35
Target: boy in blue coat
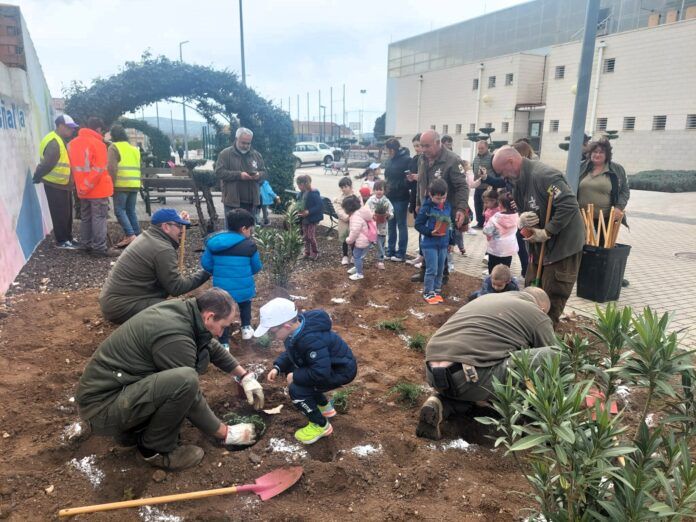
x=233, y=259
x=268, y=197
x=315, y=361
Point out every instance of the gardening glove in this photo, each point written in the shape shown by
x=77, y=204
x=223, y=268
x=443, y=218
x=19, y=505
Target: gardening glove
x=528, y=220
x=252, y=390
x=538, y=235
x=243, y=434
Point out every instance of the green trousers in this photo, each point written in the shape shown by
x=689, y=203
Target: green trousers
x=557, y=280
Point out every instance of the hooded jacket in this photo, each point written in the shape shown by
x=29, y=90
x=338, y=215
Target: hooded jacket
x=425, y=223
x=501, y=231
x=268, y=197
x=316, y=355
x=357, y=226
x=233, y=260
x=88, y=159
x=395, y=175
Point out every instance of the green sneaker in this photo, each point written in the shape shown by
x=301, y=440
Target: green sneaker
x=327, y=410
x=313, y=432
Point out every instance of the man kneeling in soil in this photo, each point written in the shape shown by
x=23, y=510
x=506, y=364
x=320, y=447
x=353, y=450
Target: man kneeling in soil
x=147, y=272
x=474, y=346
x=142, y=382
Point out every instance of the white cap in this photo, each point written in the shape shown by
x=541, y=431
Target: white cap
x=274, y=313
x=374, y=166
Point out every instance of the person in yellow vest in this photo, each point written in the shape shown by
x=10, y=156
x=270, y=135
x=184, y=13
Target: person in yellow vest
x=53, y=171
x=124, y=168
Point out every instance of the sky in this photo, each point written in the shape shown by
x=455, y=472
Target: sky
x=291, y=46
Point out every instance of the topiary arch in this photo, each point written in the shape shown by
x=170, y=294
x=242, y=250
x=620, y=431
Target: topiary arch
x=217, y=95
x=158, y=139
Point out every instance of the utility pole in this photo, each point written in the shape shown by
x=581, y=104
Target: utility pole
x=183, y=101
x=362, y=112
x=344, y=105
x=331, y=112
x=299, y=127
x=321, y=131
x=309, y=128
x=157, y=114
x=171, y=120
x=241, y=39
x=323, y=121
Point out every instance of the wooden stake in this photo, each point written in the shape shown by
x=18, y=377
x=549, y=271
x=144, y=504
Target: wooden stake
x=602, y=230
x=182, y=249
x=607, y=240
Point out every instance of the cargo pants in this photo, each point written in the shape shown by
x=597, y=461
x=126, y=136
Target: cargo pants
x=557, y=280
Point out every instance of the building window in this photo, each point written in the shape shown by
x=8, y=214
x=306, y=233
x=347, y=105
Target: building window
x=474, y=85
x=508, y=78
x=629, y=123
x=560, y=72
x=505, y=127
x=609, y=64
x=691, y=121
x=601, y=124
x=432, y=127
x=458, y=128
x=445, y=128
x=659, y=122
x=553, y=125
x=491, y=82
x=12, y=30
x=472, y=127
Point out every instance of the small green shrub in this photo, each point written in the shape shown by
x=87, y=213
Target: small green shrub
x=417, y=343
x=395, y=325
x=340, y=399
x=233, y=418
x=664, y=180
x=406, y=393
x=280, y=249
x=264, y=341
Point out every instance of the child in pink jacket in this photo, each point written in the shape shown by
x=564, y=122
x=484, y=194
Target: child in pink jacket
x=358, y=219
x=501, y=232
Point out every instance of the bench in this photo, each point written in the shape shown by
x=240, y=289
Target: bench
x=328, y=209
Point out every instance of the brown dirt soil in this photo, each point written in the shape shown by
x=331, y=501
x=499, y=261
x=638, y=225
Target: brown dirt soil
x=47, y=338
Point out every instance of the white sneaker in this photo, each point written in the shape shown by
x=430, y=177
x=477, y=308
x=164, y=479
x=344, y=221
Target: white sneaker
x=415, y=260
x=345, y=260
x=352, y=260
x=380, y=266
x=247, y=332
x=356, y=277
x=470, y=231
x=418, y=265
x=485, y=259
x=396, y=259
x=451, y=267
x=352, y=270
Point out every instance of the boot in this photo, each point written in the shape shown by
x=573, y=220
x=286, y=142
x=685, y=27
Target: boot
x=420, y=276
x=183, y=457
x=430, y=419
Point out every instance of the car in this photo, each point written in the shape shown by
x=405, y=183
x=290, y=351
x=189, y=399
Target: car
x=312, y=152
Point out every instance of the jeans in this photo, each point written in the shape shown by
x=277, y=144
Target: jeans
x=398, y=223
x=124, y=208
x=244, y=317
x=435, y=261
x=380, y=247
x=459, y=239
x=93, y=220
x=359, y=256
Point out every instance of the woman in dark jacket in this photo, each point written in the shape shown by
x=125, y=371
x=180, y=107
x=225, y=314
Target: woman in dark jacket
x=398, y=193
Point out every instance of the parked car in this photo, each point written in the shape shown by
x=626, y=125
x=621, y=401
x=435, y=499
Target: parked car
x=312, y=152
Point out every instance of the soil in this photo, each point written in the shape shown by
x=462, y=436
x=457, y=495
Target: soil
x=372, y=468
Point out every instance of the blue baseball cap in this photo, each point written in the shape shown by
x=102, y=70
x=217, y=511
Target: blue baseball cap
x=168, y=215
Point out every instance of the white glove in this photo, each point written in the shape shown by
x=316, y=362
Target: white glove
x=528, y=219
x=539, y=235
x=240, y=435
x=253, y=390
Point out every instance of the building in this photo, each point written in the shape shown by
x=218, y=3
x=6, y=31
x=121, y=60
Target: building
x=515, y=70
x=320, y=131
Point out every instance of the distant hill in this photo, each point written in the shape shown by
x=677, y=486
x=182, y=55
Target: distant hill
x=193, y=128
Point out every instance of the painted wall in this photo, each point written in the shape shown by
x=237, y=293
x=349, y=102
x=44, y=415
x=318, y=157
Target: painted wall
x=26, y=116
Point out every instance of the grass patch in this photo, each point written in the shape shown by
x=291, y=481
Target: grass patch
x=232, y=418
x=417, y=343
x=406, y=393
x=340, y=399
x=664, y=180
x=395, y=325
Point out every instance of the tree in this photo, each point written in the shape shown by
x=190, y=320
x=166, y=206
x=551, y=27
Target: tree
x=379, y=128
x=158, y=140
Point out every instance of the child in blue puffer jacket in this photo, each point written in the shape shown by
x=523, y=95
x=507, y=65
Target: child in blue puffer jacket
x=268, y=198
x=315, y=360
x=233, y=259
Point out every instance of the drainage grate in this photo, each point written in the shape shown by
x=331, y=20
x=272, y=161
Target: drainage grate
x=685, y=255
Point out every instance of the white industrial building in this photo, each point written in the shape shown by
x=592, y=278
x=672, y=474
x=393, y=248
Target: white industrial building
x=516, y=70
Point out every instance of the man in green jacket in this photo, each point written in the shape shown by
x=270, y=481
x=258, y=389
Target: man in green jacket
x=240, y=169
x=564, y=235
x=142, y=381
x=474, y=346
x=147, y=272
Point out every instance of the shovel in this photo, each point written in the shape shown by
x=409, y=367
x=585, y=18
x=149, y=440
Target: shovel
x=540, y=264
x=267, y=486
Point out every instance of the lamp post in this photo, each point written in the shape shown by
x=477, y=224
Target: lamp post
x=362, y=111
x=183, y=102
x=323, y=122
x=241, y=40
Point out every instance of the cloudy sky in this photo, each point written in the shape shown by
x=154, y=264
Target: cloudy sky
x=292, y=46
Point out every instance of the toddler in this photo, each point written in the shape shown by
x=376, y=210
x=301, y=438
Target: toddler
x=500, y=280
x=501, y=231
x=379, y=202
x=268, y=197
x=346, y=186
x=361, y=227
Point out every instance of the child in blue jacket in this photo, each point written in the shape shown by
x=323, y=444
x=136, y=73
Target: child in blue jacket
x=434, y=222
x=268, y=197
x=315, y=361
x=312, y=214
x=500, y=280
x=233, y=259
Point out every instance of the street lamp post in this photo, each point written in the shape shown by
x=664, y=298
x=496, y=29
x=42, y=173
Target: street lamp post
x=362, y=112
x=323, y=121
x=241, y=41
x=183, y=103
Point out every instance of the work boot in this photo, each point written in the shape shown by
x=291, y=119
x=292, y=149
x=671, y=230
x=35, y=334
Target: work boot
x=109, y=252
x=183, y=457
x=420, y=276
x=430, y=419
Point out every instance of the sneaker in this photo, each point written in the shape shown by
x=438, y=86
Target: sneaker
x=396, y=259
x=380, y=265
x=313, y=432
x=356, y=277
x=247, y=332
x=470, y=231
x=418, y=265
x=185, y=456
x=352, y=270
x=415, y=260
x=451, y=267
x=327, y=410
x=125, y=242
x=109, y=252
x=430, y=419
x=431, y=299
x=439, y=298
x=67, y=245
x=345, y=260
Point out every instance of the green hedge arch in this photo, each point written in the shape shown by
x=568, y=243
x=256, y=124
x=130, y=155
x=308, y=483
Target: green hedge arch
x=217, y=95
x=158, y=139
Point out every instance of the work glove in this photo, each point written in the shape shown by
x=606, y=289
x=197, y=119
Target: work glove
x=252, y=390
x=243, y=434
x=538, y=235
x=528, y=220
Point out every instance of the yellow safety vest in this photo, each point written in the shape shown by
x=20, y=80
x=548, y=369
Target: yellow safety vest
x=128, y=175
x=60, y=175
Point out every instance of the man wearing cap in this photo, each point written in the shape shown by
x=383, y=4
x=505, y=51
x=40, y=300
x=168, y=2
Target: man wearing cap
x=54, y=172
x=147, y=271
x=142, y=381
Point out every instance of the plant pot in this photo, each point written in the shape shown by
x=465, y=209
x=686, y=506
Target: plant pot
x=441, y=228
x=380, y=218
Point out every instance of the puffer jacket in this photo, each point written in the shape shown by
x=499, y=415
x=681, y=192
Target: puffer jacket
x=395, y=175
x=343, y=218
x=357, y=224
x=425, y=223
x=501, y=231
x=268, y=197
x=233, y=260
x=316, y=355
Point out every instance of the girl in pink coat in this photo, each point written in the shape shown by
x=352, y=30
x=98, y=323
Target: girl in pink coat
x=359, y=217
x=501, y=230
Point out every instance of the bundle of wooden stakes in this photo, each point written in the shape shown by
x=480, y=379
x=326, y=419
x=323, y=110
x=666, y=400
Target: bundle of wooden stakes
x=605, y=234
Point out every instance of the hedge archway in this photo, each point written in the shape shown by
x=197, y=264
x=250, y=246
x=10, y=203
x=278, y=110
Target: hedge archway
x=159, y=140
x=217, y=95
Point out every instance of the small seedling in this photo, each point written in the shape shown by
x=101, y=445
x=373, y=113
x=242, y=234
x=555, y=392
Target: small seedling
x=395, y=325
x=264, y=341
x=406, y=393
x=417, y=343
x=232, y=418
x=340, y=399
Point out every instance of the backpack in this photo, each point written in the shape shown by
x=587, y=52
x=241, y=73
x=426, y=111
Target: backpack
x=371, y=231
